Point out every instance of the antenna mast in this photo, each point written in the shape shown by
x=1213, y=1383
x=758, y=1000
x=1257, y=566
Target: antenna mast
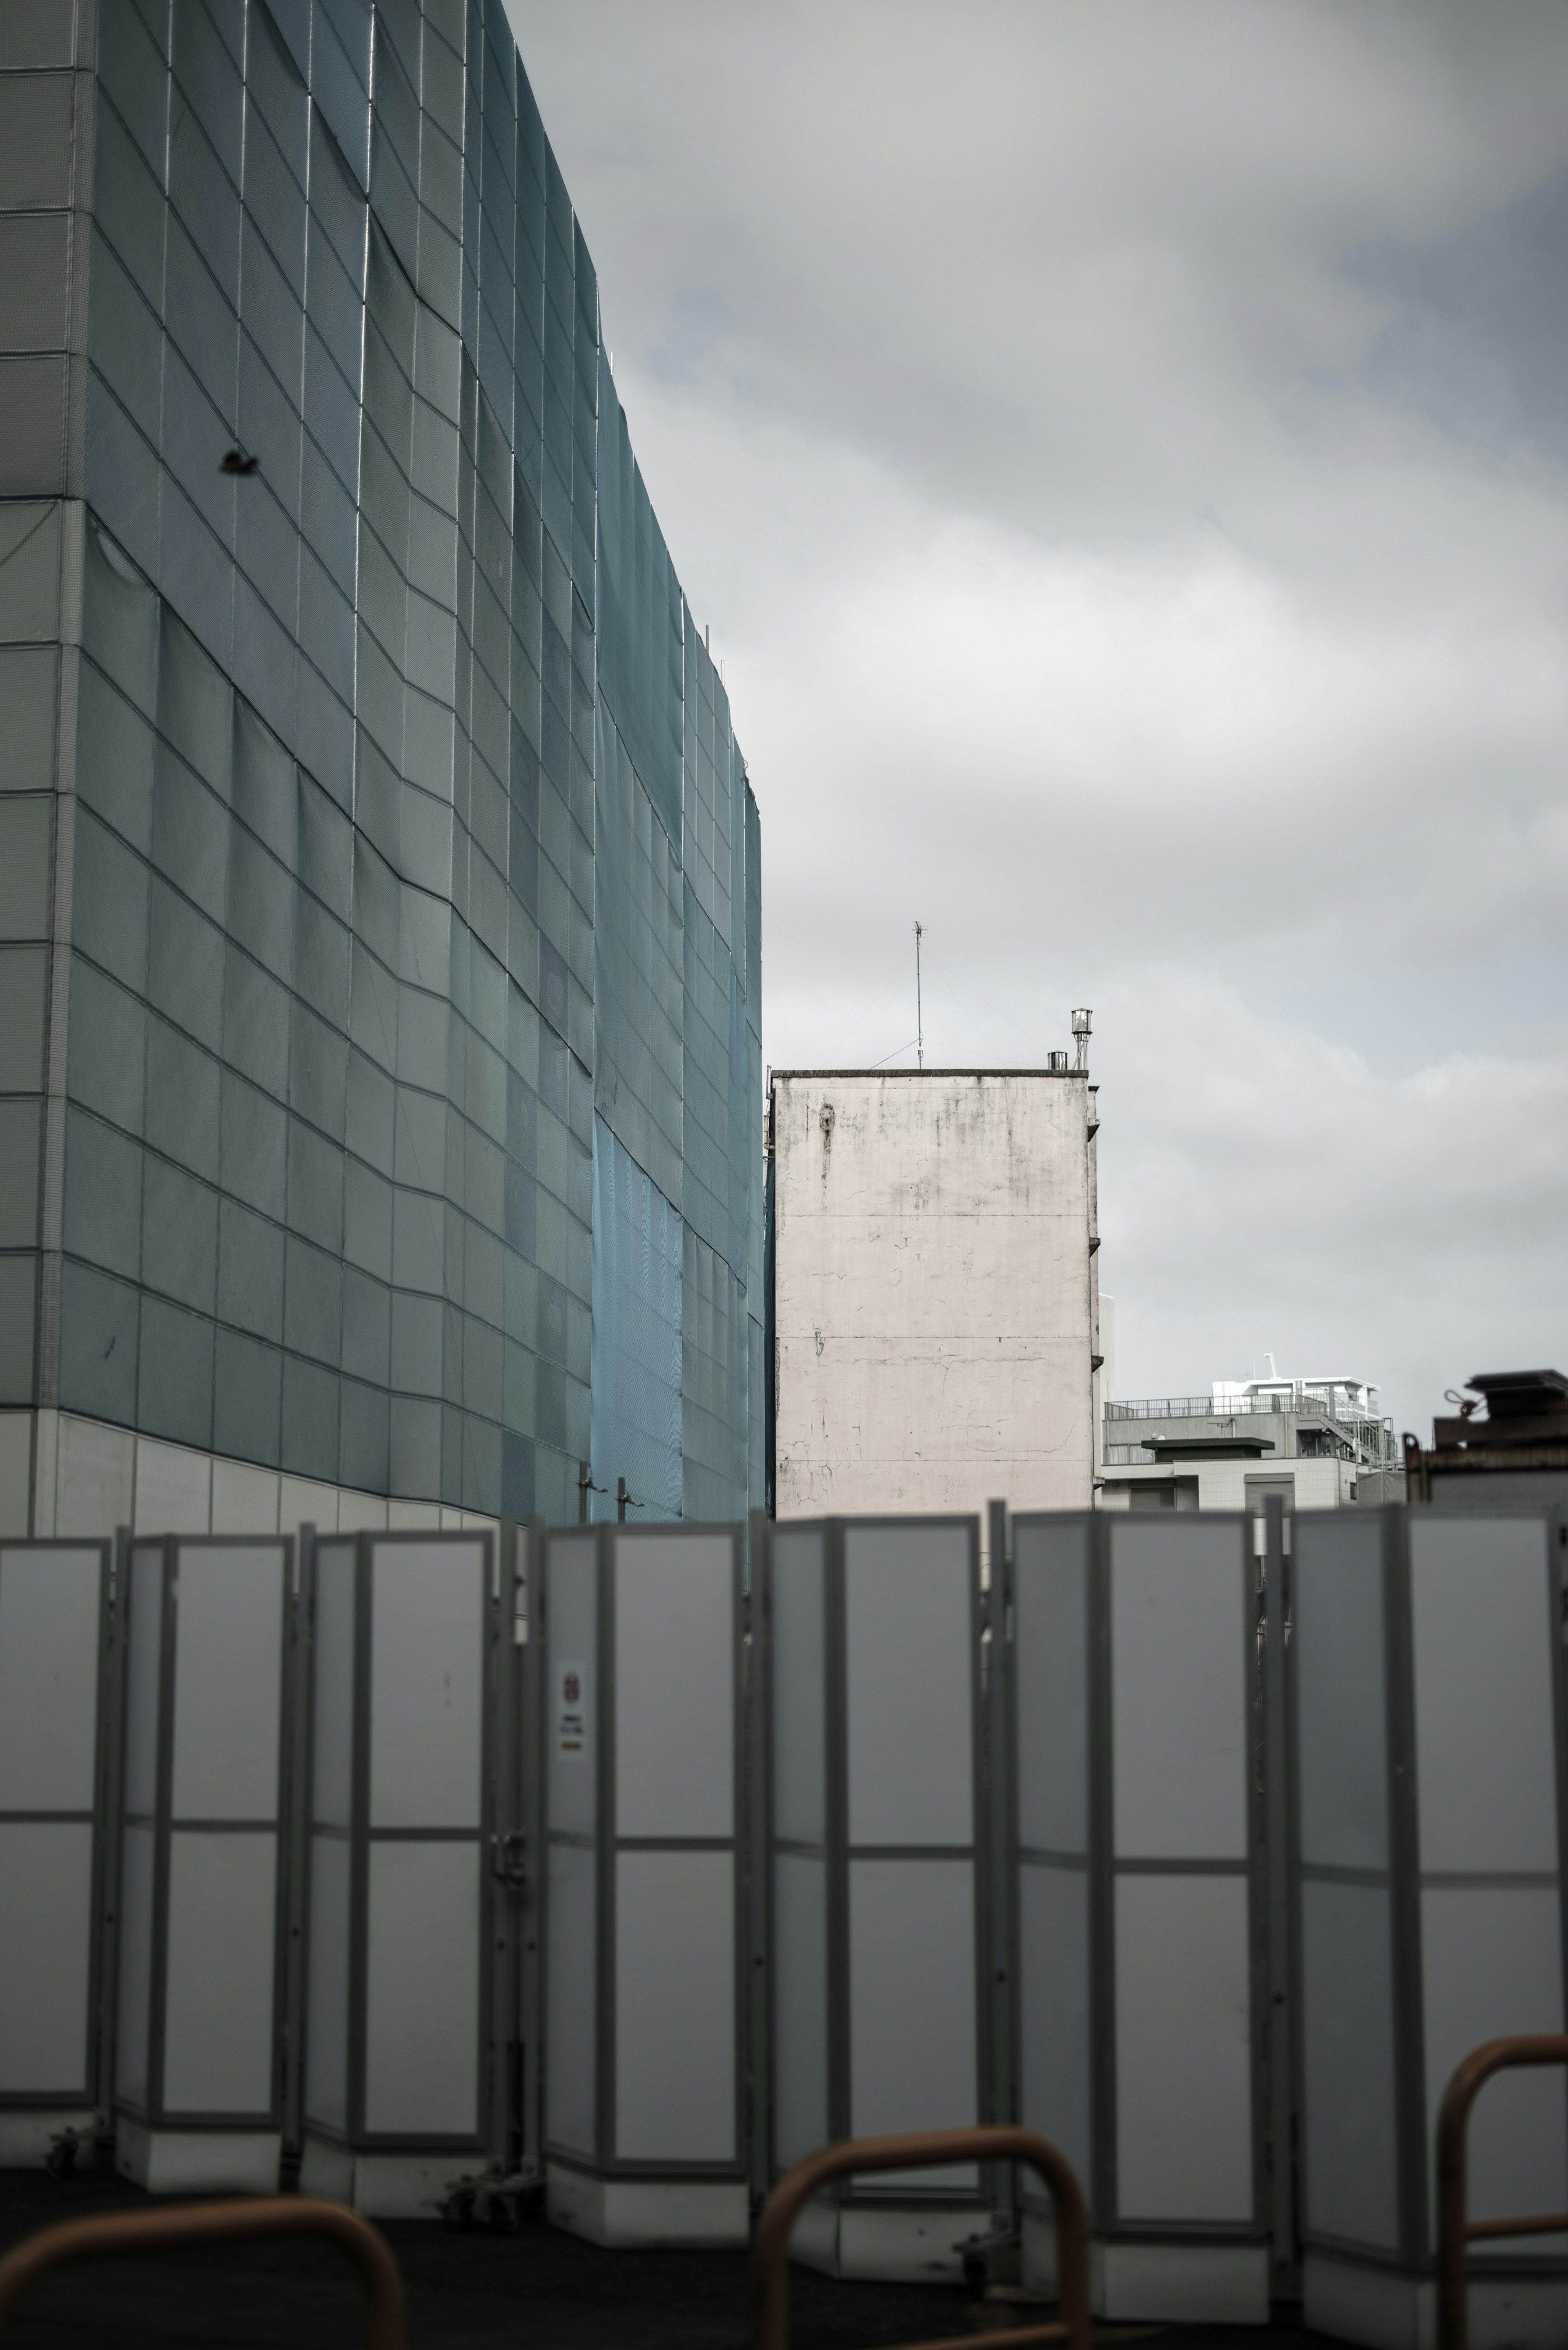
x=919, y=1016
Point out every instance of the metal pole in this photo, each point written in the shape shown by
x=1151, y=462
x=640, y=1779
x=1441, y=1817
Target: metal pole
x=622, y=1498
x=998, y=1813
x=758, y=1856
x=919, y=1016
x=1282, y=2038
x=301, y=1656
x=111, y=1702
x=536, y=1893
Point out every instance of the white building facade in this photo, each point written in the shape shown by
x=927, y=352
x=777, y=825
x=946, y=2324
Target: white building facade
x=935, y=1293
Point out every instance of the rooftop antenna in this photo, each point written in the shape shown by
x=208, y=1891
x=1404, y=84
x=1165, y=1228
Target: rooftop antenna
x=919, y=1016
x=1082, y=1024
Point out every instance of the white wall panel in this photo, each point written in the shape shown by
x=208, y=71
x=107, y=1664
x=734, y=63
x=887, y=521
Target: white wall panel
x=143, y=1672
x=911, y=1996
x=675, y=2006
x=228, y=1684
x=46, y=1953
x=1050, y=1581
x=1178, y=1691
x=421, y=2028
x=1055, y=2053
x=332, y=1730
x=675, y=1676
x=1491, y=1962
x=571, y=2071
x=572, y=1777
x=135, y=2000
x=799, y=1960
x=218, y=2010
x=50, y=1603
x=1183, y=2055
x=326, y=1987
x=427, y=1624
x=1482, y=1625
x=1351, y=2150
x=1341, y=1699
x=908, y=1630
x=797, y=1632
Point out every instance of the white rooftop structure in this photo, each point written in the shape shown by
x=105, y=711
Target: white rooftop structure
x=1346, y=1398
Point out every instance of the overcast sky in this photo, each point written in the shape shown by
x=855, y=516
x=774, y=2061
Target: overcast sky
x=1122, y=453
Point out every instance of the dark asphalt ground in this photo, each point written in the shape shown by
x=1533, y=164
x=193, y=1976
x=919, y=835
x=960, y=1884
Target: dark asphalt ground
x=538, y=2289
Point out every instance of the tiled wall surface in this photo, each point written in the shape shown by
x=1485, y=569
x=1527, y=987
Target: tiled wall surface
x=377, y=868
x=62, y=1475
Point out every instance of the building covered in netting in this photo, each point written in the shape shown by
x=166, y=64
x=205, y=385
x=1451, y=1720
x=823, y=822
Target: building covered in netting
x=379, y=876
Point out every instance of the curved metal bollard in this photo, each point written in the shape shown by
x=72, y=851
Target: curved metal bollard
x=113, y=2234
x=769, y=2269
x=1455, y=2228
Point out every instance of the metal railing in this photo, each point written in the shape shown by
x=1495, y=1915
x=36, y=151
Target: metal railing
x=1370, y=1437
x=916, y=2151
x=1190, y=1407
x=1455, y=2230
x=111, y=2235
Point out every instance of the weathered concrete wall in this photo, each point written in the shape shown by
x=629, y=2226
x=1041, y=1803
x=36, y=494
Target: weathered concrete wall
x=932, y=1294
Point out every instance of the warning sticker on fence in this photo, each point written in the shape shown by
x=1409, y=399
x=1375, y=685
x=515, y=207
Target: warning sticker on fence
x=571, y=1712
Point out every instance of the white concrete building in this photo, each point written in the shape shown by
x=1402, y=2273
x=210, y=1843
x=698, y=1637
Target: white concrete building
x=934, y=1289
x=1318, y=1443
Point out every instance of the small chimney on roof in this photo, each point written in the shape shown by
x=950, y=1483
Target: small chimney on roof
x=1083, y=1023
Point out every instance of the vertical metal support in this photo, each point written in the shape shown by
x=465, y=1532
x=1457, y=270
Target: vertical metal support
x=605, y=1826
x=300, y=1602
x=530, y=1641
x=112, y=1764
x=756, y=1860
x=1102, y=2200
x=1285, y=2262
x=1404, y=1865
x=999, y=2099
x=835, y=1839
x=504, y=1856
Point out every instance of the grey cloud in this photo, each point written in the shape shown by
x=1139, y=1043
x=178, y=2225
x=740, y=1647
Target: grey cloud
x=1121, y=452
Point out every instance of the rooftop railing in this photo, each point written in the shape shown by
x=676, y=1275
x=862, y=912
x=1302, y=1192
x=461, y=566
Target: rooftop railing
x=1369, y=1439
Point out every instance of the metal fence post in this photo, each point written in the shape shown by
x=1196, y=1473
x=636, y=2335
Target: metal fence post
x=1284, y=2260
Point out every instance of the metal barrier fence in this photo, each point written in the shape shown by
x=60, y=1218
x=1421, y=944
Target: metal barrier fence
x=204, y=1793
x=1135, y=1865
x=459, y=1865
x=404, y=1635
x=644, y=1994
x=1427, y=1715
x=866, y=1642
x=57, y=1724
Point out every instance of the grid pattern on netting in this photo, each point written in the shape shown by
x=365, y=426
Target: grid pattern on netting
x=346, y=973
